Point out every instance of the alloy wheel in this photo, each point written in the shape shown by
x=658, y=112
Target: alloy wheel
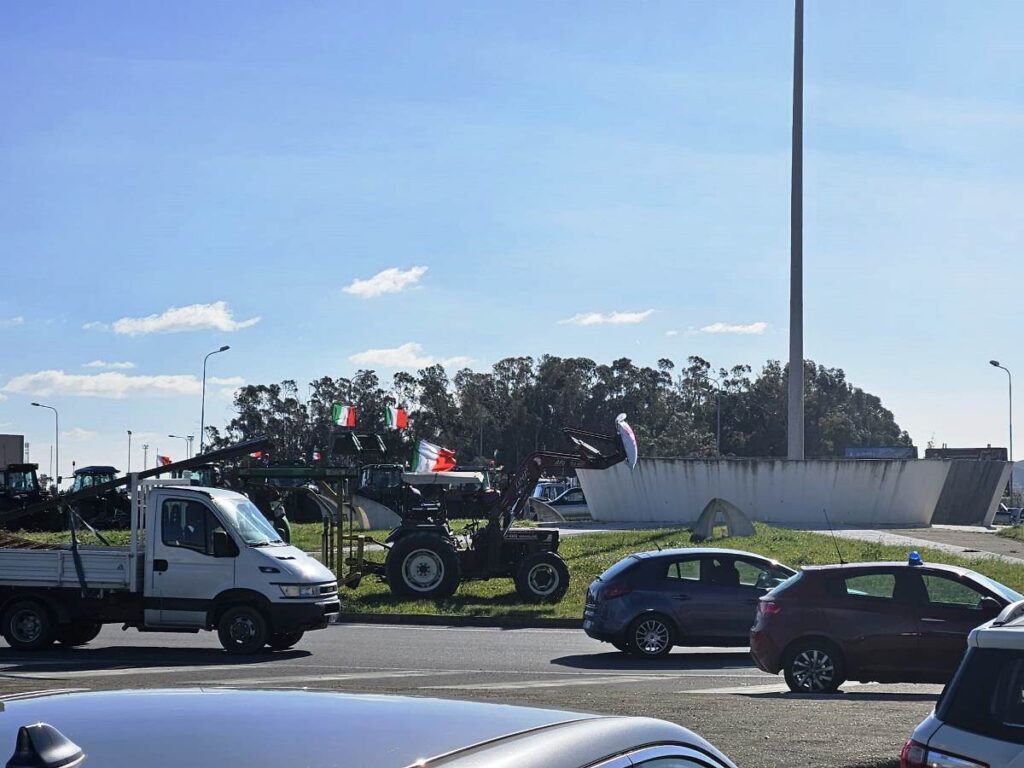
x=813, y=670
x=651, y=636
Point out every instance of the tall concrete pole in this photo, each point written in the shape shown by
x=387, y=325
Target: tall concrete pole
x=795, y=412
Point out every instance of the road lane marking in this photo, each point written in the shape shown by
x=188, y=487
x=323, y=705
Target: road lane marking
x=71, y=674
x=284, y=680
x=564, y=682
x=749, y=690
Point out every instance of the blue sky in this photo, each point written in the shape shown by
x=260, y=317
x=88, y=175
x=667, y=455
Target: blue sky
x=219, y=173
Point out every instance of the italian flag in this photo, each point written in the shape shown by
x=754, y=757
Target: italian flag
x=343, y=415
x=395, y=418
x=432, y=458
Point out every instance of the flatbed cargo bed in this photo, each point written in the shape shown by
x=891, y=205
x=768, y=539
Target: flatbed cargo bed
x=98, y=567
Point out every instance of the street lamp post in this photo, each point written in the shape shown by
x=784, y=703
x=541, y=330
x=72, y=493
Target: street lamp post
x=1009, y=380
x=145, y=455
x=129, y=471
x=188, y=442
x=56, y=434
x=202, y=412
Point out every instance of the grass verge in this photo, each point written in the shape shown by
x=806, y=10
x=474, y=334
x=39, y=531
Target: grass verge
x=1012, y=532
x=589, y=554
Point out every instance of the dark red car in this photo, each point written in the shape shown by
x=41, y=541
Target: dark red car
x=884, y=622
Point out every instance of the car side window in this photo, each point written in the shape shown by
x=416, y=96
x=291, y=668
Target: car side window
x=687, y=570
x=876, y=585
x=574, y=497
x=187, y=524
x=945, y=591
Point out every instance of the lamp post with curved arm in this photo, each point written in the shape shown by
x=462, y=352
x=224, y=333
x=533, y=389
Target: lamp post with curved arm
x=202, y=411
x=1009, y=381
x=56, y=438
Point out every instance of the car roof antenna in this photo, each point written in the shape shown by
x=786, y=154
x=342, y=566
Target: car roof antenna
x=835, y=541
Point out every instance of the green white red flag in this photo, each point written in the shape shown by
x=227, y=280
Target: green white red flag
x=343, y=415
x=396, y=418
x=432, y=458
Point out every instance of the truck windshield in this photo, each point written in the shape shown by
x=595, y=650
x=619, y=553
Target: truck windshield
x=248, y=522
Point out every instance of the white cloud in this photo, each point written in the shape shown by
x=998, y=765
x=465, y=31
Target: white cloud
x=10, y=322
x=750, y=329
x=408, y=355
x=78, y=434
x=112, y=366
x=195, y=317
x=95, y=325
x=610, y=318
x=2, y=397
x=110, y=385
x=671, y=333
x=393, y=280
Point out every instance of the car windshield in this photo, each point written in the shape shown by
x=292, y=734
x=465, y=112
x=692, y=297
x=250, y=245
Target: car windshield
x=248, y=522
x=1012, y=595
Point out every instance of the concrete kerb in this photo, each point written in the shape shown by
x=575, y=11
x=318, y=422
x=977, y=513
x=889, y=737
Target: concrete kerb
x=494, y=622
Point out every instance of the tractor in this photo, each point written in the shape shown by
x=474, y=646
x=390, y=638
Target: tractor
x=427, y=560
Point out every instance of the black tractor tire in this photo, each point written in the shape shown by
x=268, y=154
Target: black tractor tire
x=243, y=630
x=79, y=633
x=423, y=565
x=542, y=578
x=282, y=641
x=814, y=666
x=651, y=636
x=27, y=626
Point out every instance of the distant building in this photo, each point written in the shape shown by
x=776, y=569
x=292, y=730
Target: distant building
x=988, y=453
x=882, y=452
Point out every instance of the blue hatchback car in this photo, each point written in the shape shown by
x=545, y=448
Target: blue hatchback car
x=651, y=601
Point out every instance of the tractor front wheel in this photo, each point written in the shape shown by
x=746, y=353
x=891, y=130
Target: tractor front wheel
x=542, y=578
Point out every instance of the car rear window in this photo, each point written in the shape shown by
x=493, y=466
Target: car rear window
x=619, y=568
x=987, y=695
x=881, y=585
x=788, y=583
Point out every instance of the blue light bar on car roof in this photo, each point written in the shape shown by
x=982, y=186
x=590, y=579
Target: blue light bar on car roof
x=915, y=558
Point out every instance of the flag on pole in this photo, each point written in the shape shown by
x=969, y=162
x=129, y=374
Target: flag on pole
x=395, y=418
x=628, y=439
x=163, y=460
x=343, y=415
x=256, y=455
x=432, y=458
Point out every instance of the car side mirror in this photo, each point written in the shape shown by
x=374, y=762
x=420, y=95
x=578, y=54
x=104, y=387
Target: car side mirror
x=223, y=546
x=990, y=605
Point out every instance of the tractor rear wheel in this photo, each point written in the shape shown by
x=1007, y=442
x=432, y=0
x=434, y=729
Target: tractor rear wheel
x=423, y=565
x=542, y=578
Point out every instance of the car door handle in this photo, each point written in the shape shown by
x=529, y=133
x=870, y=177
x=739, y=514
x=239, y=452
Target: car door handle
x=935, y=621
x=159, y=566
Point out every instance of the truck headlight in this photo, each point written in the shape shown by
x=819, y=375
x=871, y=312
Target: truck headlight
x=300, y=590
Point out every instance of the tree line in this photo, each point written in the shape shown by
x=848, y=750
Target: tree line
x=522, y=404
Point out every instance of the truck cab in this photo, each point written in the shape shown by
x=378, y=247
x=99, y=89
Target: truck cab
x=199, y=559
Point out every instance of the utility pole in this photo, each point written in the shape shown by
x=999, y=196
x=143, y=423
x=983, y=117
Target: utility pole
x=129, y=453
x=145, y=455
x=795, y=412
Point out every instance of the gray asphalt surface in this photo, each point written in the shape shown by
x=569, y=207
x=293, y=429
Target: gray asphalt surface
x=717, y=693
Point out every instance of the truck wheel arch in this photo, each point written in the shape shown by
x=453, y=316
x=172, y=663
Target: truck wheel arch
x=231, y=597
x=58, y=611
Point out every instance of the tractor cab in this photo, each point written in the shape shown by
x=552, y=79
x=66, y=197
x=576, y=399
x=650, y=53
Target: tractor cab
x=19, y=487
x=87, y=477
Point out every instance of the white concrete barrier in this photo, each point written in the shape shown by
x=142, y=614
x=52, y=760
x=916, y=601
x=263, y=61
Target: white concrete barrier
x=855, y=493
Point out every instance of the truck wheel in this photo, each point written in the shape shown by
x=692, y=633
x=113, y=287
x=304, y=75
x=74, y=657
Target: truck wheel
x=282, y=641
x=422, y=565
x=542, y=578
x=27, y=626
x=81, y=633
x=242, y=629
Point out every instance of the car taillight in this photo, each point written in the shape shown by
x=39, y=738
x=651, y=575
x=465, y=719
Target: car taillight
x=917, y=755
x=615, y=590
x=768, y=608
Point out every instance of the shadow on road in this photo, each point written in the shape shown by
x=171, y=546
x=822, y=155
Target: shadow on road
x=114, y=657
x=671, y=663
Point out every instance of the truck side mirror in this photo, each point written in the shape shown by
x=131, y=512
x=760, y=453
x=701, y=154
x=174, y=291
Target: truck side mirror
x=223, y=546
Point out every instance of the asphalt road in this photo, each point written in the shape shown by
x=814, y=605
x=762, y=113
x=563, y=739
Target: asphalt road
x=719, y=694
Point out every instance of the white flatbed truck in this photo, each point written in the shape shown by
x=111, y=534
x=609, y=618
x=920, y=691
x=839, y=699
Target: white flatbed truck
x=199, y=559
